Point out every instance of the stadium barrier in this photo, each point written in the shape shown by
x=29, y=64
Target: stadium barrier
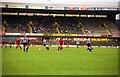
x=55, y=35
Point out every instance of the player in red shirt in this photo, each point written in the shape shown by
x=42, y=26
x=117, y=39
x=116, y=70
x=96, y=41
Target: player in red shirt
x=60, y=44
x=18, y=43
x=67, y=43
x=3, y=44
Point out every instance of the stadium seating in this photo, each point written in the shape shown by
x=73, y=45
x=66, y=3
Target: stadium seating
x=19, y=24
x=113, y=28
x=69, y=25
x=44, y=24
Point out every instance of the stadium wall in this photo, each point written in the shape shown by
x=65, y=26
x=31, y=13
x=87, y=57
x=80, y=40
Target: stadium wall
x=119, y=4
x=37, y=40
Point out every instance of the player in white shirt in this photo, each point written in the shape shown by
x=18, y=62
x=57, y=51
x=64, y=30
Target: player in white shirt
x=45, y=43
x=88, y=45
x=77, y=43
x=25, y=43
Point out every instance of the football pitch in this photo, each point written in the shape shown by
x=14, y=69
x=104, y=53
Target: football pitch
x=69, y=61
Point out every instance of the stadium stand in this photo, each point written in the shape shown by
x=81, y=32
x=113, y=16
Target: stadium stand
x=20, y=24
x=69, y=25
x=73, y=25
x=113, y=28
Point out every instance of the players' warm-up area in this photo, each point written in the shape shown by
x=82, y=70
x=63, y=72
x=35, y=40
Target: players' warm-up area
x=69, y=61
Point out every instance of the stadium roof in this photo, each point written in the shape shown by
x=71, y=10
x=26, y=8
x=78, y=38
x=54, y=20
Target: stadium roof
x=61, y=3
x=89, y=12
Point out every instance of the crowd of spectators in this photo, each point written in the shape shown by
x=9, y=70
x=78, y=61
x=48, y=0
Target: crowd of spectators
x=44, y=24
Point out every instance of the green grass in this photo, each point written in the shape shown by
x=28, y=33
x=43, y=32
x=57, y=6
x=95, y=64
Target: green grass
x=69, y=61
